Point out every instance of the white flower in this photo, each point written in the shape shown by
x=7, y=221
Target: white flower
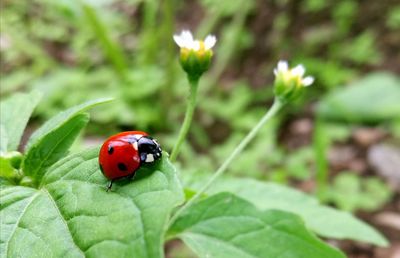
x=281, y=68
x=295, y=73
x=185, y=40
x=195, y=55
x=290, y=82
x=307, y=81
x=209, y=42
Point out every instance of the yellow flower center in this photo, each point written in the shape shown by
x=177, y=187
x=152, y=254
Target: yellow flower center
x=289, y=76
x=201, y=52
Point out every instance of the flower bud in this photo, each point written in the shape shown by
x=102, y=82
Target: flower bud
x=195, y=56
x=289, y=83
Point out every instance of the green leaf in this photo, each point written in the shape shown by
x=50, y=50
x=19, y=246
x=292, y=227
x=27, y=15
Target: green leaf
x=224, y=225
x=352, y=192
x=10, y=162
x=14, y=115
x=58, y=120
x=226, y=7
x=6, y=169
x=373, y=99
x=323, y=220
x=72, y=214
x=52, y=146
x=3, y=139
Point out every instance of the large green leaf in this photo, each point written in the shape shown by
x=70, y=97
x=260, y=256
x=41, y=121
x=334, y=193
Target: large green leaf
x=58, y=120
x=6, y=169
x=52, y=146
x=323, y=220
x=14, y=115
x=372, y=99
x=9, y=164
x=72, y=215
x=3, y=139
x=224, y=225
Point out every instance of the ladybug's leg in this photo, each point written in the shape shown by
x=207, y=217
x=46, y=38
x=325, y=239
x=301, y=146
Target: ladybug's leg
x=130, y=177
x=109, y=185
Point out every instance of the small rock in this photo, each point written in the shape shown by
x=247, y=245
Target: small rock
x=358, y=165
x=300, y=132
x=385, y=160
x=341, y=156
x=388, y=219
x=392, y=251
x=367, y=136
x=301, y=126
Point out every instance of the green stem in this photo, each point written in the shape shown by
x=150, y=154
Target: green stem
x=271, y=112
x=149, y=37
x=111, y=49
x=229, y=40
x=321, y=145
x=168, y=28
x=188, y=118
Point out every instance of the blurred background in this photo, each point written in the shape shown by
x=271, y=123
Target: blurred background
x=340, y=142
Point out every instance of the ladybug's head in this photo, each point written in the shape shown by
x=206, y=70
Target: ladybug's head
x=149, y=149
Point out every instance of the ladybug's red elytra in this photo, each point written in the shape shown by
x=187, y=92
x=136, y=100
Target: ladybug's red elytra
x=122, y=154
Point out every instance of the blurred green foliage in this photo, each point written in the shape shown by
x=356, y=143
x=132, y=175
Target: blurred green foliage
x=350, y=192
x=354, y=103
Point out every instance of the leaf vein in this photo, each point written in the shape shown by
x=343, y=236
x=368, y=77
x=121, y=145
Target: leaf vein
x=54, y=146
x=33, y=197
x=62, y=219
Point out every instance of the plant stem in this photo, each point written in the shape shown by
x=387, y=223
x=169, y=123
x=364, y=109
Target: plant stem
x=320, y=146
x=188, y=118
x=111, y=48
x=150, y=35
x=271, y=112
x=229, y=40
x=168, y=27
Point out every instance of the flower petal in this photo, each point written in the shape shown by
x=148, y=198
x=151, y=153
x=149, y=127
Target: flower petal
x=282, y=66
x=209, y=42
x=307, y=81
x=298, y=71
x=188, y=38
x=179, y=40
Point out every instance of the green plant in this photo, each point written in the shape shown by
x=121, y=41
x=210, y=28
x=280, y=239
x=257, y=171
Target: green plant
x=124, y=49
x=350, y=192
x=56, y=204
x=352, y=103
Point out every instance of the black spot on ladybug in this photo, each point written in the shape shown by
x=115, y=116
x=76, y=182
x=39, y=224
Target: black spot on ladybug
x=110, y=149
x=122, y=167
x=101, y=169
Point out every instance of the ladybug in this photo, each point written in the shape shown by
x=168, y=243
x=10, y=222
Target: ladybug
x=123, y=154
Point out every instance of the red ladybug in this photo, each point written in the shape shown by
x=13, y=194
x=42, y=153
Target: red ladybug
x=122, y=154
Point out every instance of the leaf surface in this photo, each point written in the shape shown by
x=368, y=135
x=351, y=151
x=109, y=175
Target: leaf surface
x=14, y=115
x=372, y=99
x=3, y=139
x=58, y=120
x=52, y=146
x=226, y=226
x=72, y=215
x=323, y=220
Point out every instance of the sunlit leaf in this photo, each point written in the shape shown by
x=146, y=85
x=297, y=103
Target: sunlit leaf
x=224, y=225
x=72, y=214
x=14, y=115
